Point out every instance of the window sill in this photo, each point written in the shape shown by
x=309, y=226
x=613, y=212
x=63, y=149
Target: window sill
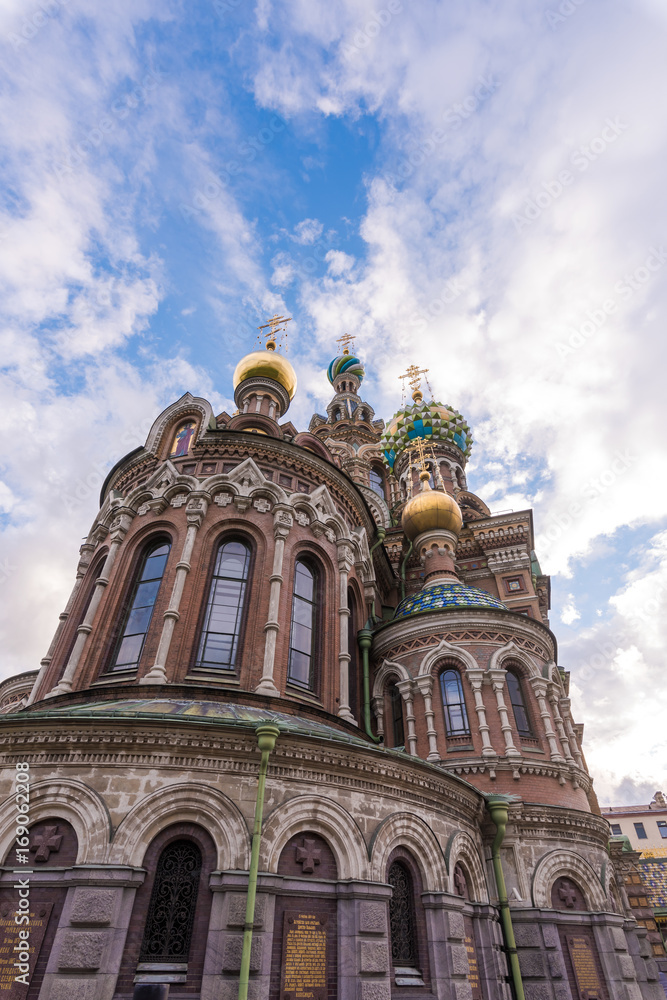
x=530, y=749
x=306, y=697
x=464, y=746
x=116, y=678
x=205, y=677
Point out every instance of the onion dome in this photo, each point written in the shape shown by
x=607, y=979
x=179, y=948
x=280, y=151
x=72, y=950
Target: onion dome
x=431, y=510
x=266, y=364
x=447, y=595
x=429, y=420
x=345, y=364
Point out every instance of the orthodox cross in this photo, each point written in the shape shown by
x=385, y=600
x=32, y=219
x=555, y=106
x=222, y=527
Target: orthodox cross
x=413, y=374
x=49, y=840
x=275, y=326
x=308, y=856
x=345, y=341
x=460, y=882
x=568, y=895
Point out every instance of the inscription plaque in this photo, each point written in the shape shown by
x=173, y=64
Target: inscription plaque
x=9, y=936
x=304, y=956
x=585, y=968
x=473, y=965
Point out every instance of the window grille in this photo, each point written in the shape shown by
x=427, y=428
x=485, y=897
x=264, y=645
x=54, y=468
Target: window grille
x=171, y=912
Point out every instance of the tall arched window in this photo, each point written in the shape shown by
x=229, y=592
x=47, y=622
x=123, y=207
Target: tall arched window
x=402, y=920
x=353, y=668
x=301, y=667
x=518, y=705
x=377, y=482
x=140, y=611
x=221, y=631
x=171, y=912
x=397, y=734
x=456, y=717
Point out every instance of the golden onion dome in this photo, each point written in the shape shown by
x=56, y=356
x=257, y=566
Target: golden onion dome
x=267, y=364
x=431, y=510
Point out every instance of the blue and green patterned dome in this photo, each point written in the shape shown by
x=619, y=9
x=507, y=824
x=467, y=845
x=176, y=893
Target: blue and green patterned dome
x=447, y=595
x=345, y=364
x=431, y=421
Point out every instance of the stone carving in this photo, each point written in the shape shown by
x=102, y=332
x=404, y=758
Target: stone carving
x=48, y=842
x=236, y=912
x=73, y=989
x=456, y=926
x=262, y=505
x=222, y=499
x=375, y=991
x=302, y=518
x=179, y=500
x=373, y=918
x=82, y=950
x=458, y=960
x=93, y=907
x=143, y=509
x=231, y=961
x=308, y=856
x=374, y=956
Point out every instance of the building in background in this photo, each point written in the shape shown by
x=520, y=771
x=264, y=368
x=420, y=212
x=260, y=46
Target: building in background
x=340, y=602
x=644, y=826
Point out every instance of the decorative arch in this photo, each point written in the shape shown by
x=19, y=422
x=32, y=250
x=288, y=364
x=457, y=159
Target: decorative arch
x=462, y=849
x=324, y=817
x=566, y=864
x=312, y=443
x=414, y=834
x=191, y=802
x=387, y=671
x=75, y=802
x=512, y=652
x=187, y=406
x=445, y=648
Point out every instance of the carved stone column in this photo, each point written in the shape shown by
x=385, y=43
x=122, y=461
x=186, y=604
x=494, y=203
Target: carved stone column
x=378, y=709
x=539, y=686
x=497, y=676
x=560, y=727
x=476, y=678
x=345, y=562
x=282, y=523
x=195, y=512
x=119, y=528
x=405, y=687
x=425, y=686
x=574, y=743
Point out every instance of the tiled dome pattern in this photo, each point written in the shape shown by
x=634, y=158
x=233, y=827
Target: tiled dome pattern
x=345, y=364
x=447, y=595
x=429, y=420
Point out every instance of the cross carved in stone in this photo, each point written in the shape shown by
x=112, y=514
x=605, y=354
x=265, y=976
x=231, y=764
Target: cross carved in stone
x=47, y=842
x=308, y=856
x=460, y=882
x=568, y=895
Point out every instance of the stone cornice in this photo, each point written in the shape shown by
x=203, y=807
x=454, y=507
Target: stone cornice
x=433, y=625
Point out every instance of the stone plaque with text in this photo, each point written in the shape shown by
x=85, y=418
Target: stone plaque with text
x=9, y=938
x=585, y=967
x=304, y=971
x=473, y=965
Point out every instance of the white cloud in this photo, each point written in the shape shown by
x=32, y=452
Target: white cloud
x=569, y=613
x=308, y=231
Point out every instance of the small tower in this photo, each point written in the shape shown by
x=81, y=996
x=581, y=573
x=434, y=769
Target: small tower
x=264, y=383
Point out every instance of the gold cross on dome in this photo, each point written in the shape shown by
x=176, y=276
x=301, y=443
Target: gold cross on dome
x=420, y=445
x=274, y=326
x=413, y=374
x=345, y=341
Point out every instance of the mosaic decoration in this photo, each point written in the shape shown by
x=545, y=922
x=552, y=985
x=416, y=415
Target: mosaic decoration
x=447, y=595
x=422, y=419
x=183, y=439
x=345, y=364
x=654, y=875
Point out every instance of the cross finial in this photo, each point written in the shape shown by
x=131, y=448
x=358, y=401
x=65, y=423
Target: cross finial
x=345, y=341
x=413, y=374
x=271, y=329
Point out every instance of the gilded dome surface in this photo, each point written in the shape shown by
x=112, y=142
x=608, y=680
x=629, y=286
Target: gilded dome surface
x=447, y=595
x=428, y=420
x=267, y=364
x=430, y=510
x=345, y=364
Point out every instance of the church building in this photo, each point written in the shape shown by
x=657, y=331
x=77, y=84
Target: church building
x=302, y=733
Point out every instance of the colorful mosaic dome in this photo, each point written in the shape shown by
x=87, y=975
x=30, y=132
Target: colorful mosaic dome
x=345, y=364
x=447, y=595
x=428, y=420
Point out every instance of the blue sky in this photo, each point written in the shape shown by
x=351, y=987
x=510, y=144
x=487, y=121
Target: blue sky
x=473, y=188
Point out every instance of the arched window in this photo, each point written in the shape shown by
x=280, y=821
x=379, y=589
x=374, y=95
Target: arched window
x=219, y=643
x=353, y=668
x=183, y=439
x=396, y=715
x=171, y=912
x=456, y=717
x=377, y=482
x=518, y=705
x=302, y=632
x=402, y=920
x=145, y=591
